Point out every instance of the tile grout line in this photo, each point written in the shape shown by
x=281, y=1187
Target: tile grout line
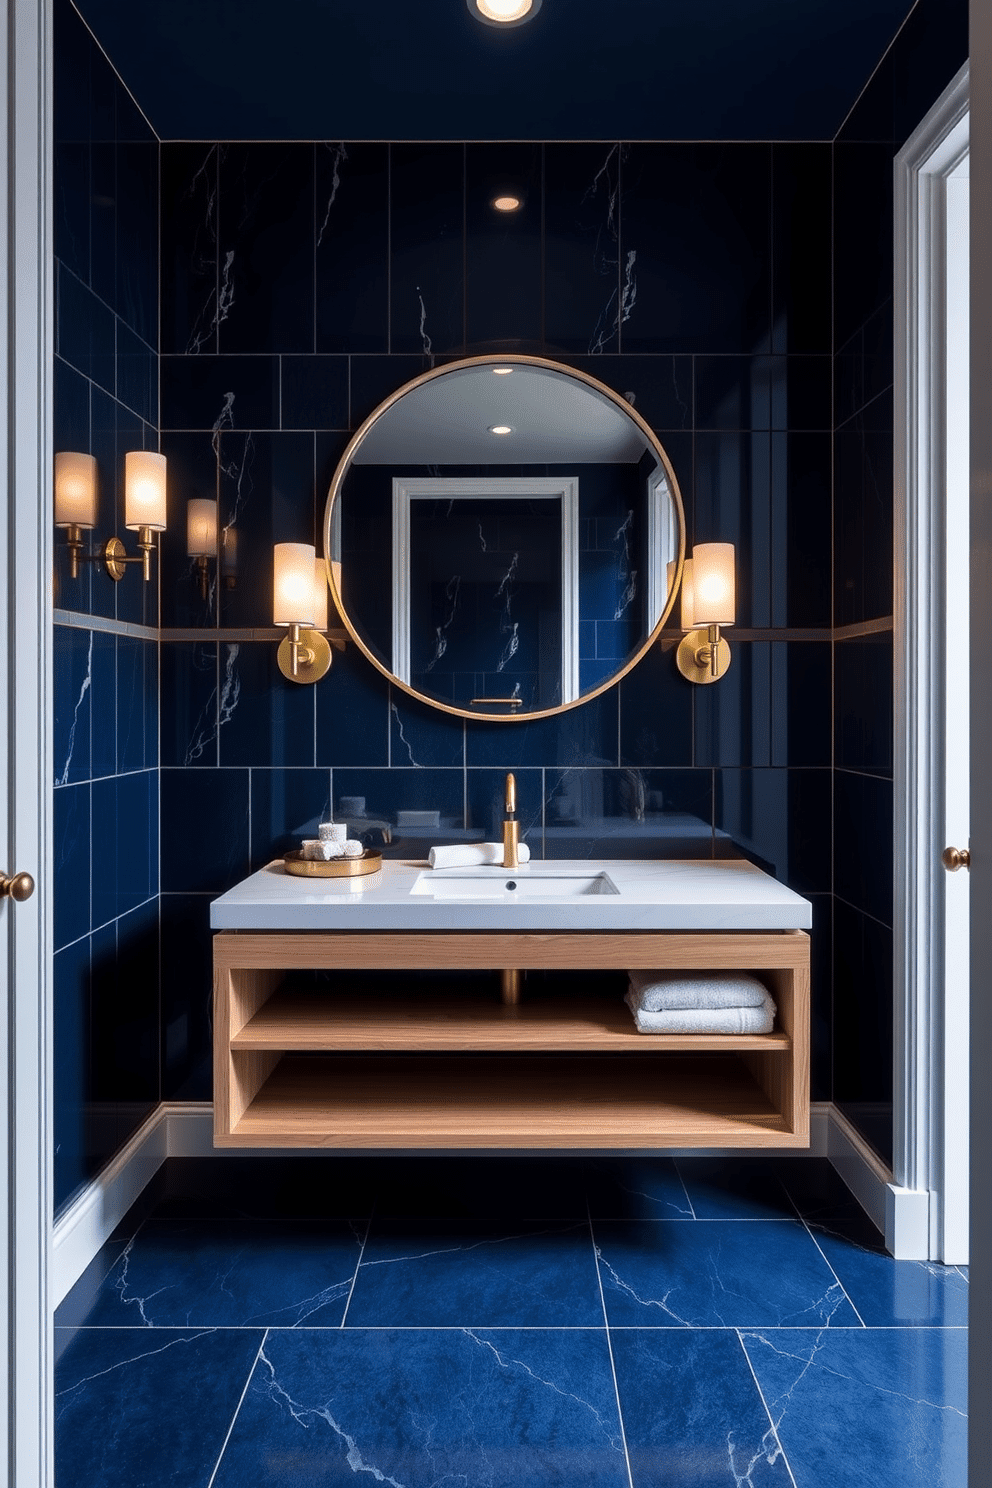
x=761, y=1396
x=368, y=1227
x=609, y=1343
x=802, y=1220
x=237, y=1409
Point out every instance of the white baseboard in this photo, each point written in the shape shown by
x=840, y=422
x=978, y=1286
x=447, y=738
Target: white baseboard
x=185, y=1129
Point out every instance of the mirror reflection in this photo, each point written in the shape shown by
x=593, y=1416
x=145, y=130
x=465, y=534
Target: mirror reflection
x=534, y=531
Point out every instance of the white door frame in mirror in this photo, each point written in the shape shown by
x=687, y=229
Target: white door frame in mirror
x=480, y=488
x=925, y=1219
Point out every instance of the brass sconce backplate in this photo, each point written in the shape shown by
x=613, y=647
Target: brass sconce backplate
x=114, y=557
x=313, y=657
x=694, y=658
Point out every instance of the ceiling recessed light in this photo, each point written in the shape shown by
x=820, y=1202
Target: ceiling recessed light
x=502, y=371
x=507, y=203
x=500, y=429
x=504, y=12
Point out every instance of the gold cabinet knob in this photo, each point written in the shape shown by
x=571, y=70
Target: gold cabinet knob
x=20, y=887
x=954, y=858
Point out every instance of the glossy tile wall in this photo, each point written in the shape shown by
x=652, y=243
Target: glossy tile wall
x=929, y=50
x=302, y=283
x=105, y=636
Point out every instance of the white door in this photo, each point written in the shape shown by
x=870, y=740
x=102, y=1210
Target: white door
x=25, y=773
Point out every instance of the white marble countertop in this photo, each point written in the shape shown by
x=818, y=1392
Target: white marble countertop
x=662, y=894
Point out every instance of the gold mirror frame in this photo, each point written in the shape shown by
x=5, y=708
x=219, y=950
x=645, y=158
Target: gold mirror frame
x=344, y=465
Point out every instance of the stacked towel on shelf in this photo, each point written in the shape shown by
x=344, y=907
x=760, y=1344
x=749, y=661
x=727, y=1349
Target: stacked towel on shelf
x=472, y=854
x=699, y=1002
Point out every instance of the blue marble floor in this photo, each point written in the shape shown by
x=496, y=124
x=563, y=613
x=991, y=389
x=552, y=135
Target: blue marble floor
x=508, y=1323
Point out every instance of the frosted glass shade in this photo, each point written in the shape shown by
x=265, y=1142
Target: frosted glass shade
x=144, y=490
x=201, y=528
x=75, y=490
x=319, y=594
x=714, y=587
x=503, y=12
x=293, y=599
x=687, y=618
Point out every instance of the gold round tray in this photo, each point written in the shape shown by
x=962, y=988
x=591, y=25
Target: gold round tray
x=369, y=862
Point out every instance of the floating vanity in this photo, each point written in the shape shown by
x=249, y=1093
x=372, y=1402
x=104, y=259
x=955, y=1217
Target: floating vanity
x=443, y=1063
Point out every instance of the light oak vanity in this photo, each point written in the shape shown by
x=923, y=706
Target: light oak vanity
x=445, y=1064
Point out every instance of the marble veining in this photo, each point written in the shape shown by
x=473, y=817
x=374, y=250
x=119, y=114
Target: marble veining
x=605, y=250
x=219, y=707
x=204, y=182
x=63, y=779
x=425, y=339
x=403, y=738
x=339, y=155
x=626, y=575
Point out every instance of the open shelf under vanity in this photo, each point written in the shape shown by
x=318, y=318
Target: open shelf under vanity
x=418, y=1051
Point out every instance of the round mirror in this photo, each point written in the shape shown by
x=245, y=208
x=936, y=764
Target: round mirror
x=504, y=537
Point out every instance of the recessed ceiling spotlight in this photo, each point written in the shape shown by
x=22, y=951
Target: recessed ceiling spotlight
x=500, y=429
x=507, y=203
x=502, y=371
x=504, y=12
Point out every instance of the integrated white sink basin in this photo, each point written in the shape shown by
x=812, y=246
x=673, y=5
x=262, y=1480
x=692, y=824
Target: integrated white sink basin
x=509, y=887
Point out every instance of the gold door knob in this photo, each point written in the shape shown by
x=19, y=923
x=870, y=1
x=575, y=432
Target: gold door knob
x=954, y=858
x=20, y=887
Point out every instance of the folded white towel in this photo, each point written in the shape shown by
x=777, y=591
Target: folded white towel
x=704, y=1020
x=470, y=854
x=661, y=991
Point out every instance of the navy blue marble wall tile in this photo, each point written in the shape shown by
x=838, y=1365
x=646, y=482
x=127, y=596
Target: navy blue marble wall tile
x=71, y=842
x=136, y=285
x=71, y=432
x=485, y=806
x=204, y=829
x=697, y=220
x=85, y=330
x=137, y=704
x=733, y=718
x=732, y=502
x=863, y=532
x=189, y=696
x=420, y=736
x=108, y=451
x=802, y=248
x=582, y=277
x=800, y=703
x=192, y=474
x=351, y=247
x=863, y=238
x=659, y=388
x=70, y=1060
x=427, y=248
x=270, y=718
x=821, y=956
x=656, y=704
x=629, y=813
x=585, y=735
x=352, y=706
x=375, y=378
x=863, y=703
x=801, y=530
x=137, y=375
x=211, y=392
x=286, y=806
x=125, y=844
x=190, y=269
x=386, y=793
x=504, y=299
x=124, y=1056
x=266, y=248
x=187, y=993
x=104, y=695
x=862, y=1031
x=863, y=843
x=781, y=820
x=72, y=60
x=103, y=203
x=267, y=492
x=72, y=721
x=314, y=392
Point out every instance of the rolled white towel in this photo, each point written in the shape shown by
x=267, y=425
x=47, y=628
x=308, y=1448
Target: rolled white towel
x=704, y=1020
x=317, y=850
x=470, y=854
x=662, y=991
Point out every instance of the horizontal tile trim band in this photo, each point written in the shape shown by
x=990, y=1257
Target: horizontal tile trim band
x=257, y=633
x=863, y=628
x=80, y=621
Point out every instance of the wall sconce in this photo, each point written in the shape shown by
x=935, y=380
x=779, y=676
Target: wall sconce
x=75, y=502
x=144, y=508
x=201, y=538
x=709, y=600
x=299, y=601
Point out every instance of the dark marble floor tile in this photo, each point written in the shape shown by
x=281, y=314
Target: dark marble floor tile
x=506, y=1409
x=692, y=1413
x=636, y=1188
x=152, y=1409
x=734, y=1188
x=819, y=1192
x=726, y=1274
x=270, y=1187
x=888, y=1293
x=244, y=1274
x=465, y=1274
x=854, y=1406
x=496, y=1188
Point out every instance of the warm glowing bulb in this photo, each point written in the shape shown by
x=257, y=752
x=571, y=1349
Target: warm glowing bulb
x=75, y=490
x=506, y=203
x=201, y=528
x=504, y=12
x=502, y=371
x=144, y=490
x=715, y=598
x=293, y=587
x=500, y=429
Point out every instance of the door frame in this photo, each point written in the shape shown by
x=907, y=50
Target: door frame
x=918, y=1222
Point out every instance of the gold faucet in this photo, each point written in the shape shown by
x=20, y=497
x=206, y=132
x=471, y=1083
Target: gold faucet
x=511, y=827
